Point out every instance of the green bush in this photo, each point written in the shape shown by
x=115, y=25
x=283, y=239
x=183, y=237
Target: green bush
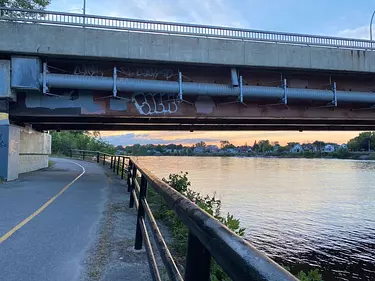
x=312, y=275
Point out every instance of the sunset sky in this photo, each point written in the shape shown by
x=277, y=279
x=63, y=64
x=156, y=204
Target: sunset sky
x=237, y=138
x=346, y=18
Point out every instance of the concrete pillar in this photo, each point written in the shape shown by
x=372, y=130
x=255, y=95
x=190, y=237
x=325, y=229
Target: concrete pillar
x=9, y=152
x=22, y=150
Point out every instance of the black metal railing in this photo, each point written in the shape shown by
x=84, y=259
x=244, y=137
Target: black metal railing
x=207, y=236
x=117, y=163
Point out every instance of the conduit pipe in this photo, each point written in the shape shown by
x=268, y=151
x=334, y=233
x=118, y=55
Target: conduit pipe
x=205, y=89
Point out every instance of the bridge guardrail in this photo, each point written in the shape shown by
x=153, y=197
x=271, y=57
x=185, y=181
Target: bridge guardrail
x=103, y=22
x=207, y=236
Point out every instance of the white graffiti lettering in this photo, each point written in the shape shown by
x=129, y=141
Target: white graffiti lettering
x=88, y=70
x=150, y=104
x=153, y=73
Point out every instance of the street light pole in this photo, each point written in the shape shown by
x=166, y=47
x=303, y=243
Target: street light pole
x=84, y=13
x=372, y=18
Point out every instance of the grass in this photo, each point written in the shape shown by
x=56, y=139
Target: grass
x=50, y=163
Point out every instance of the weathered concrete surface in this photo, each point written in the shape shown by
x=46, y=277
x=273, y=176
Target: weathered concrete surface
x=36, y=39
x=9, y=152
x=22, y=150
x=34, y=148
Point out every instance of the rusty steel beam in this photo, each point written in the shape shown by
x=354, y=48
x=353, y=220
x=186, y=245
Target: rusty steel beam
x=118, y=120
x=184, y=127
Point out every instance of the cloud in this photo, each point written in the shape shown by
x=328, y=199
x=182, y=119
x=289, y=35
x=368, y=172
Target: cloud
x=362, y=32
x=212, y=12
x=214, y=137
x=131, y=138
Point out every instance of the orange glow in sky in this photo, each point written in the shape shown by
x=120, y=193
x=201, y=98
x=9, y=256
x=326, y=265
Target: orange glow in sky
x=214, y=137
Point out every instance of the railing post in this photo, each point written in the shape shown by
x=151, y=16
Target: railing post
x=134, y=178
x=129, y=174
x=123, y=168
x=111, y=162
x=71, y=153
x=97, y=157
x=114, y=164
x=198, y=261
x=103, y=159
x=118, y=165
x=141, y=213
x=83, y=155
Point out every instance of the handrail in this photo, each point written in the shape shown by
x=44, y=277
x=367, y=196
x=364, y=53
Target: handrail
x=207, y=236
x=104, y=22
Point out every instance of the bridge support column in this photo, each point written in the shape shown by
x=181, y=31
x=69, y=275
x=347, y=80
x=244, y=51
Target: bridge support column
x=22, y=150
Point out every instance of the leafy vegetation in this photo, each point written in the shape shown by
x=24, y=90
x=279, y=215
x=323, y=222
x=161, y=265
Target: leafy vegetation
x=363, y=142
x=25, y=4
x=211, y=205
x=179, y=231
x=226, y=145
x=63, y=142
x=312, y=275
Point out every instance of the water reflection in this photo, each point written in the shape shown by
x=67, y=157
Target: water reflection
x=301, y=212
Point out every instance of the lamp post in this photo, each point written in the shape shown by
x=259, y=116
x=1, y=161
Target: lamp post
x=84, y=13
x=372, y=18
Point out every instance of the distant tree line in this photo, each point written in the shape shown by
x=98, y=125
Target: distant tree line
x=25, y=4
x=63, y=142
x=363, y=142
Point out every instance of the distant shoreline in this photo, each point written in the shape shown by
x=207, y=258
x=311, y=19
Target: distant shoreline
x=309, y=155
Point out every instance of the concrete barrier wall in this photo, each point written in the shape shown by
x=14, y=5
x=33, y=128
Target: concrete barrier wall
x=36, y=39
x=22, y=150
x=34, y=150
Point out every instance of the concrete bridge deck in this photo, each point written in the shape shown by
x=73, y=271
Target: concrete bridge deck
x=118, y=39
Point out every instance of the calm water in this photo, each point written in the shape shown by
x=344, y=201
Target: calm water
x=303, y=213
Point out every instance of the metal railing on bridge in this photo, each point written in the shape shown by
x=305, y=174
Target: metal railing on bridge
x=207, y=236
x=102, y=22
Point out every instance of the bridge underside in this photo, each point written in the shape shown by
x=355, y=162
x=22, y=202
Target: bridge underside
x=111, y=123
x=56, y=94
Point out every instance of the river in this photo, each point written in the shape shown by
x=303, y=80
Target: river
x=304, y=213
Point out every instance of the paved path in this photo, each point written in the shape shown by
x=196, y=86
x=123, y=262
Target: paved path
x=52, y=244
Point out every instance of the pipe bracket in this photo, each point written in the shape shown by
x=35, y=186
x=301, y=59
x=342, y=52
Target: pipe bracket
x=285, y=99
x=44, y=79
x=180, y=86
x=114, y=82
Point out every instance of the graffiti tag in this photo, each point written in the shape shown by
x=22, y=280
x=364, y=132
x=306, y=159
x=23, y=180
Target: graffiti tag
x=153, y=73
x=150, y=104
x=89, y=70
x=2, y=142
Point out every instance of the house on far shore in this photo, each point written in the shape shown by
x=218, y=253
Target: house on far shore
x=344, y=146
x=212, y=148
x=244, y=149
x=296, y=149
x=199, y=150
x=329, y=148
x=232, y=150
x=309, y=147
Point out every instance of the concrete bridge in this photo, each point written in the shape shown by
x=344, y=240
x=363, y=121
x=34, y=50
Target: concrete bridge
x=62, y=71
